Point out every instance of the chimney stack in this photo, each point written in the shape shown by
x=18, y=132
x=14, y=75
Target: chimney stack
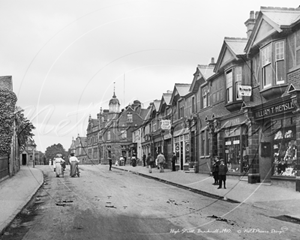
x=212, y=63
x=250, y=23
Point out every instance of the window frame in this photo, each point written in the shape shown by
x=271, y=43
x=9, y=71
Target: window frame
x=229, y=89
x=281, y=58
x=238, y=81
x=129, y=117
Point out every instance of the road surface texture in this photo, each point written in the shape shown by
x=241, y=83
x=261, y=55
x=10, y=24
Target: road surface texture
x=104, y=204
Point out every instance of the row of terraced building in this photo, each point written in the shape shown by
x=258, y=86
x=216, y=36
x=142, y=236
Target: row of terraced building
x=243, y=108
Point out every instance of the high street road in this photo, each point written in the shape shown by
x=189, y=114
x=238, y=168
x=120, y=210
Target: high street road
x=104, y=204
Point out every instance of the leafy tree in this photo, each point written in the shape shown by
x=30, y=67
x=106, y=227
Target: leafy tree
x=23, y=128
x=55, y=149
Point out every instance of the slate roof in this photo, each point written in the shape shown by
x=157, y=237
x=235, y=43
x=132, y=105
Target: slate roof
x=167, y=97
x=156, y=104
x=282, y=16
x=236, y=45
x=206, y=70
x=182, y=88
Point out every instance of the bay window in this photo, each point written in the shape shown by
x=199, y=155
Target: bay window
x=279, y=62
x=273, y=64
x=238, y=82
x=266, y=56
x=229, y=87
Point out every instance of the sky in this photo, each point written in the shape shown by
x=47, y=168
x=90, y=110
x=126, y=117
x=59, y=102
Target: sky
x=66, y=57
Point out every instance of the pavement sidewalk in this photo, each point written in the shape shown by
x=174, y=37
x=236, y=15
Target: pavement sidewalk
x=263, y=195
x=16, y=192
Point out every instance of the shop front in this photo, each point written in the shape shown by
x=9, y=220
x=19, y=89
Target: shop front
x=182, y=149
x=278, y=150
x=233, y=135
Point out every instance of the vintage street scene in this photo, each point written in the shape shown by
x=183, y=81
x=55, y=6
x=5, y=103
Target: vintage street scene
x=149, y=120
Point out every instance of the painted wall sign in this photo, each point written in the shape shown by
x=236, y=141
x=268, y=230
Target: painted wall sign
x=281, y=108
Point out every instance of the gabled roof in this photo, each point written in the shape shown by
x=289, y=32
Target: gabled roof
x=156, y=104
x=165, y=99
x=180, y=89
x=202, y=72
x=281, y=16
x=231, y=50
x=272, y=20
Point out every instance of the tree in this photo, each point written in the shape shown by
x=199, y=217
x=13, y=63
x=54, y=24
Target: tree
x=55, y=149
x=8, y=100
x=23, y=128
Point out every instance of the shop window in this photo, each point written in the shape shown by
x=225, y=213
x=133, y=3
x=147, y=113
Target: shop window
x=95, y=153
x=203, y=141
x=236, y=154
x=285, y=152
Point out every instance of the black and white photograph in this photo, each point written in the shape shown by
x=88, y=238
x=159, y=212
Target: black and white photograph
x=149, y=119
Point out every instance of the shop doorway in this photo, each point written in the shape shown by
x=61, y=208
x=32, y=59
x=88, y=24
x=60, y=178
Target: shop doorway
x=181, y=155
x=24, y=159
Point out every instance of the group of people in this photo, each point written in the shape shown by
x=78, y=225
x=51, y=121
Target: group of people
x=60, y=165
x=159, y=162
x=219, y=171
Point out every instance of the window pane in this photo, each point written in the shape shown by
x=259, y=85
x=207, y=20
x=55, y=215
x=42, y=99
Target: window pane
x=238, y=82
x=280, y=72
x=229, y=86
x=279, y=51
x=267, y=75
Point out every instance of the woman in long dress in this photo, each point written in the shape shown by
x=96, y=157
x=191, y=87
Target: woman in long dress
x=57, y=163
x=73, y=165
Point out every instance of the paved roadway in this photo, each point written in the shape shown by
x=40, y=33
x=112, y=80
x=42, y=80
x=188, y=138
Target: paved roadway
x=104, y=204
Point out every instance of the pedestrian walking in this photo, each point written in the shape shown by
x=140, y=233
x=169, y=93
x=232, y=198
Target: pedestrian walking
x=144, y=160
x=215, y=170
x=73, y=165
x=133, y=160
x=110, y=163
x=150, y=162
x=63, y=165
x=161, y=161
x=57, y=163
x=174, y=160
x=222, y=174
x=125, y=159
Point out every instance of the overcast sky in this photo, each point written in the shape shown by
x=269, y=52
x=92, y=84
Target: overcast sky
x=65, y=55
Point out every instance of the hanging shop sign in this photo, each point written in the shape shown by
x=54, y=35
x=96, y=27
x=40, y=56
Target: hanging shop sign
x=165, y=124
x=245, y=91
x=277, y=109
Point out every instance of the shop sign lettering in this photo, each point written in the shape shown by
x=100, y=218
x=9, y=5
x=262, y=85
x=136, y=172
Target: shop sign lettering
x=275, y=110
